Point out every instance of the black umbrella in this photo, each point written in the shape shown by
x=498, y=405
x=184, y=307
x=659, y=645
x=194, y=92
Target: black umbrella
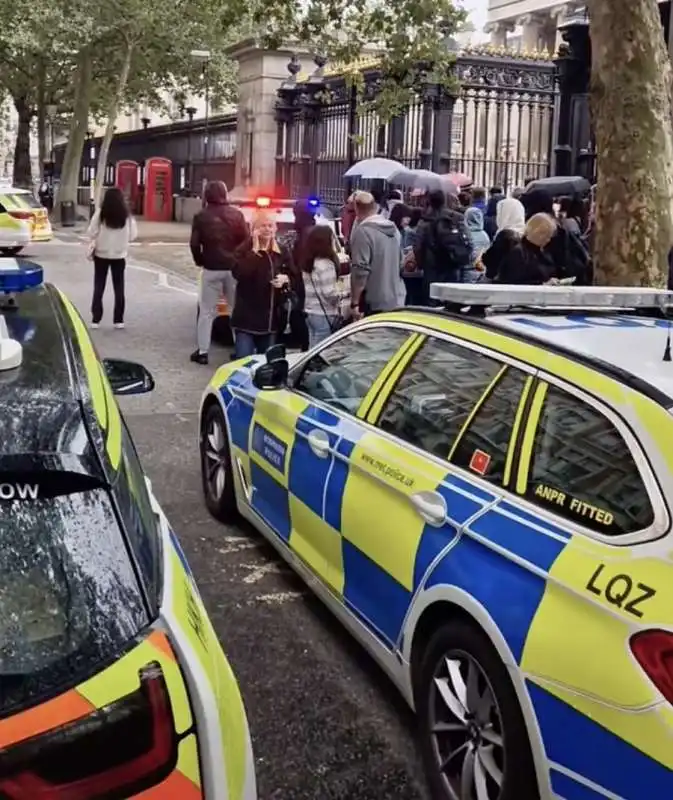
x=561, y=185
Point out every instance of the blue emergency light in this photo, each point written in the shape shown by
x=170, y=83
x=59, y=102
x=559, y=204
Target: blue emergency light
x=313, y=202
x=17, y=277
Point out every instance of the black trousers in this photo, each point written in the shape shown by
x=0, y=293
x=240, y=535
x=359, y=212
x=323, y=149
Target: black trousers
x=117, y=267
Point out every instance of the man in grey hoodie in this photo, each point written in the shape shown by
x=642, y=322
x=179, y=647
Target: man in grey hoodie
x=376, y=260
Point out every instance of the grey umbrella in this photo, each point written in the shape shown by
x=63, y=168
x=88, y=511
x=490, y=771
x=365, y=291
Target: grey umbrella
x=422, y=180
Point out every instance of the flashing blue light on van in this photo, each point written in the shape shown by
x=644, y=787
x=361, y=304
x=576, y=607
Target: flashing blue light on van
x=16, y=277
x=313, y=202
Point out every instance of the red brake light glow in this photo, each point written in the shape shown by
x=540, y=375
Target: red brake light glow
x=263, y=202
x=653, y=650
x=119, y=750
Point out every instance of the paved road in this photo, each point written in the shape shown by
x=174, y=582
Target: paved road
x=325, y=722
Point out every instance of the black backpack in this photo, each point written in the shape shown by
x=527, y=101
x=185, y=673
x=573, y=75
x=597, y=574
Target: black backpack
x=454, y=249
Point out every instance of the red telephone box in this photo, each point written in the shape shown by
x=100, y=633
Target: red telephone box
x=127, y=181
x=158, y=190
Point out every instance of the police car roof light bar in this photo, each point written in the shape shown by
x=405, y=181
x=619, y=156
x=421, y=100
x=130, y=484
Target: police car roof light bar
x=549, y=297
x=11, y=352
x=17, y=276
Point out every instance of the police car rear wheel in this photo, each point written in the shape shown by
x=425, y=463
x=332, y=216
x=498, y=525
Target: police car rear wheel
x=216, y=471
x=473, y=735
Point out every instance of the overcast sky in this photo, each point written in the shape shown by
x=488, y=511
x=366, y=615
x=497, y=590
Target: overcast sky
x=477, y=11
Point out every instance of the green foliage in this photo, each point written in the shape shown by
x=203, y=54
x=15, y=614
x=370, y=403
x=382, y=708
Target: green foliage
x=411, y=38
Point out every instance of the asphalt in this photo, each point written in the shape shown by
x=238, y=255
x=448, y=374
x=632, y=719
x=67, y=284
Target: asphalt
x=325, y=722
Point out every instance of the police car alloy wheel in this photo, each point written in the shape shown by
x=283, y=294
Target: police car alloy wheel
x=473, y=736
x=216, y=469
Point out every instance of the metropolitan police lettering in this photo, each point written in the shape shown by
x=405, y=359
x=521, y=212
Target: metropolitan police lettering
x=19, y=491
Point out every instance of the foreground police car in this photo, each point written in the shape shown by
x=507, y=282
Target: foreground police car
x=485, y=503
x=112, y=681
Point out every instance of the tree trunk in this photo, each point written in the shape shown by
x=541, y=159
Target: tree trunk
x=113, y=110
x=42, y=146
x=72, y=160
x=631, y=103
x=22, y=176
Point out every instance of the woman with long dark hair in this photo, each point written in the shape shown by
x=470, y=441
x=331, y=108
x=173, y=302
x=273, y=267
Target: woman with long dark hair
x=323, y=295
x=110, y=231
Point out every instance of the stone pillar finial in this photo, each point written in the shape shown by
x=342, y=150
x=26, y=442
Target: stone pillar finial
x=294, y=67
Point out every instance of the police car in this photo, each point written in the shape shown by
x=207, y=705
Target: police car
x=483, y=497
x=283, y=213
x=113, y=683
x=15, y=231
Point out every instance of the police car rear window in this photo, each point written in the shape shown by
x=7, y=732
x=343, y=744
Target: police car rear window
x=24, y=198
x=69, y=598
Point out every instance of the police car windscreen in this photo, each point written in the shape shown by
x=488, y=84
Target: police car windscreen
x=25, y=198
x=69, y=598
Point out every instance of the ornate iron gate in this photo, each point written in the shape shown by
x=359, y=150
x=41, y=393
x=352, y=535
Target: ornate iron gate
x=498, y=128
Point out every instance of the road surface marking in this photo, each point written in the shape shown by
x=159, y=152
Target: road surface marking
x=236, y=547
x=276, y=598
x=258, y=571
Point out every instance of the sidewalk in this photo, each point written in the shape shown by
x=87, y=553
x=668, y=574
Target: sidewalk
x=148, y=232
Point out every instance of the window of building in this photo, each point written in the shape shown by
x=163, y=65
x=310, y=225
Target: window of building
x=582, y=468
x=343, y=372
x=436, y=394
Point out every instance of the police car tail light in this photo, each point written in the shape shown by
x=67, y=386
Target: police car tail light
x=263, y=202
x=653, y=650
x=120, y=749
x=24, y=215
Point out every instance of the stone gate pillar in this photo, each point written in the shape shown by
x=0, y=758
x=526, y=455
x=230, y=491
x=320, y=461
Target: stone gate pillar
x=261, y=73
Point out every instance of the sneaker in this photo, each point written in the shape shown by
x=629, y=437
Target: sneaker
x=198, y=357
x=95, y=325
x=119, y=325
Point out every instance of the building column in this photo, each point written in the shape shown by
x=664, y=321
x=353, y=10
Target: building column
x=498, y=31
x=533, y=28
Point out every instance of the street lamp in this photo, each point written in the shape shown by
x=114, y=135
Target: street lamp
x=204, y=57
x=190, y=110
x=51, y=110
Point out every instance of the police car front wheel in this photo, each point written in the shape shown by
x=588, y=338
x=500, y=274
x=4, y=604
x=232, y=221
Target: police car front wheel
x=216, y=468
x=473, y=735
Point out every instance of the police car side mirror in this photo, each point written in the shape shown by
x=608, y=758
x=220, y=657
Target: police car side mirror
x=128, y=377
x=272, y=375
x=276, y=352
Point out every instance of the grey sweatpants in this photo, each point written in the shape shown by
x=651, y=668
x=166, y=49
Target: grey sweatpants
x=214, y=283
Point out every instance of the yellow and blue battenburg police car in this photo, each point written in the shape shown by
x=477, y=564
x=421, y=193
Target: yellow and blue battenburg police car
x=483, y=497
x=112, y=681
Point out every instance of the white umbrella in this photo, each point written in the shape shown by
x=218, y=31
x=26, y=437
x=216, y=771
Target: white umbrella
x=373, y=169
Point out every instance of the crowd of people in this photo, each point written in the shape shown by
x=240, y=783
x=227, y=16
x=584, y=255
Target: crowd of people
x=295, y=283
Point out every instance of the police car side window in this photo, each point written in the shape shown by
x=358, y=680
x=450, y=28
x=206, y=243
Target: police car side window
x=3, y=210
x=139, y=518
x=482, y=447
x=342, y=373
x=434, y=397
x=583, y=470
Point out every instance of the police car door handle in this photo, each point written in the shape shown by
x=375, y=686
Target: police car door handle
x=431, y=506
x=318, y=441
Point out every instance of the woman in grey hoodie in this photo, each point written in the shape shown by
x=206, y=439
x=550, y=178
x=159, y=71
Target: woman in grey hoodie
x=480, y=241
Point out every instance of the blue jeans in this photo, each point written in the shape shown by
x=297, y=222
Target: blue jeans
x=249, y=344
x=318, y=328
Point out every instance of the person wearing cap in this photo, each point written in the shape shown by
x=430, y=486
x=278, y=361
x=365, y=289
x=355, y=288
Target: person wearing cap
x=218, y=230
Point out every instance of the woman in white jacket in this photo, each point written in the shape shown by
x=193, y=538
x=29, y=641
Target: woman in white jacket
x=110, y=232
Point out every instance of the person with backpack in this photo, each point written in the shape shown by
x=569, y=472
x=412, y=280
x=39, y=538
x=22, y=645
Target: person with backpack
x=442, y=250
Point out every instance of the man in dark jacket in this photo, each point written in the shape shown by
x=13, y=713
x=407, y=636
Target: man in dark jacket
x=442, y=249
x=217, y=231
